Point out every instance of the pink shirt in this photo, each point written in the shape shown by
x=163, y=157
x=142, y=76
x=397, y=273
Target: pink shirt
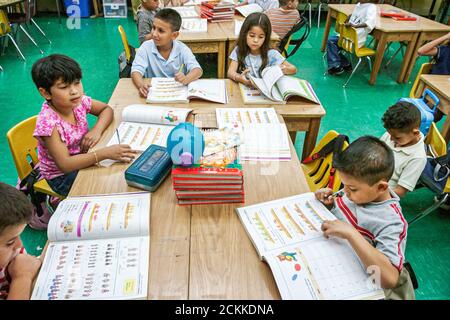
x=5, y=280
x=71, y=134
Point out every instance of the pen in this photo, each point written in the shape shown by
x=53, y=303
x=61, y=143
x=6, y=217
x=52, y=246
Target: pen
x=118, y=137
x=181, y=68
x=339, y=193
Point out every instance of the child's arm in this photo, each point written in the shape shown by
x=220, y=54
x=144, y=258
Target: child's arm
x=430, y=48
x=68, y=163
x=193, y=75
x=400, y=191
x=324, y=195
x=23, y=269
x=105, y=116
x=138, y=81
x=236, y=76
x=288, y=68
x=144, y=28
x=369, y=255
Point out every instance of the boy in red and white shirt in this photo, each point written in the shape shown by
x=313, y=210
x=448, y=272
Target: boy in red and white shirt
x=284, y=18
x=17, y=268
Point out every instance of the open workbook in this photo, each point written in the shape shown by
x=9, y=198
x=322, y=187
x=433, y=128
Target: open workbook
x=287, y=235
x=98, y=249
x=278, y=87
x=167, y=90
x=249, y=9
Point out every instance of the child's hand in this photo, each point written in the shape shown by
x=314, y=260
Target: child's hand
x=244, y=78
x=90, y=139
x=325, y=196
x=283, y=68
x=119, y=152
x=181, y=78
x=337, y=228
x=24, y=266
x=143, y=90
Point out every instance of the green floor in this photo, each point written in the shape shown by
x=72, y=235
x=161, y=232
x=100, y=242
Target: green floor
x=355, y=111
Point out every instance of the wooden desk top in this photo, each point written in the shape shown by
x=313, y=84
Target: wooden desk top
x=214, y=33
x=387, y=24
x=6, y=3
x=199, y=252
x=439, y=83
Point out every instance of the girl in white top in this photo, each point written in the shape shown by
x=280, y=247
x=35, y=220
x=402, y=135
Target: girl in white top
x=252, y=53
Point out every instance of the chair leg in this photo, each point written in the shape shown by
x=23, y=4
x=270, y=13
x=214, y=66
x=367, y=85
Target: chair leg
x=1, y=68
x=309, y=9
x=17, y=47
x=59, y=12
x=29, y=37
x=40, y=30
x=351, y=75
x=393, y=56
x=318, y=14
x=428, y=211
x=370, y=63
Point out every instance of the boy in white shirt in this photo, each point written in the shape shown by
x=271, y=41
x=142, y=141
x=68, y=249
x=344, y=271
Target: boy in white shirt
x=363, y=19
x=402, y=123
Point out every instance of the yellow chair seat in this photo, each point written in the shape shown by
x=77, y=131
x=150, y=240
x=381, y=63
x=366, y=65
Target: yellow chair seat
x=364, y=52
x=42, y=186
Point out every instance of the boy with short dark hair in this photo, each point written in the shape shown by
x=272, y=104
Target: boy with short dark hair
x=17, y=269
x=163, y=56
x=369, y=214
x=284, y=18
x=145, y=15
x=402, y=123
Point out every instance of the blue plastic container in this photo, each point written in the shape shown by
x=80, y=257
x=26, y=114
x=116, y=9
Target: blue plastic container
x=84, y=8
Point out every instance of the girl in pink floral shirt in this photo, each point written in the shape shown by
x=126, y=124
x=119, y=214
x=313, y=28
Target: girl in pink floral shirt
x=62, y=130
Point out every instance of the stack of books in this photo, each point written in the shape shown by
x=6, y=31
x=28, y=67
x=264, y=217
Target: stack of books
x=217, y=11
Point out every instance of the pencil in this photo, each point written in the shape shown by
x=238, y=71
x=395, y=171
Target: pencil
x=118, y=137
x=181, y=68
x=339, y=193
x=231, y=87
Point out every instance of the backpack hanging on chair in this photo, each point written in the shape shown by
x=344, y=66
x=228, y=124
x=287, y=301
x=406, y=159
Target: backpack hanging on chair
x=124, y=64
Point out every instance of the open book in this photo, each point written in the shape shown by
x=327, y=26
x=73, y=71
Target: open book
x=287, y=235
x=278, y=87
x=248, y=9
x=167, y=90
x=194, y=25
x=98, y=249
x=187, y=12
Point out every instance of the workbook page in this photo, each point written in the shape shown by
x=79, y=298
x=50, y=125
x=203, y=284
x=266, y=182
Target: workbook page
x=167, y=90
x=240, y=116
x=144, y=113
x=214, y=90
x=194, y=25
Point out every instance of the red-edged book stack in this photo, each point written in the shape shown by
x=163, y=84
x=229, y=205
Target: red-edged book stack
x=208, y=185
x=217, y=11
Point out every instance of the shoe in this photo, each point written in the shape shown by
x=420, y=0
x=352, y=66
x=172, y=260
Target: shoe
x=348, y=68
x=336, y=70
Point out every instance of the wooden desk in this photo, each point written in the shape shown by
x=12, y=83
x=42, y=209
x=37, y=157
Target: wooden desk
x=440, y=85
x=199, y=252
x=7, y=3
x=298, y=115
x=386, y=30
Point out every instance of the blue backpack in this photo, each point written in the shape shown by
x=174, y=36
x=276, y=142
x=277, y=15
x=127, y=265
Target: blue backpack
x=427, y=113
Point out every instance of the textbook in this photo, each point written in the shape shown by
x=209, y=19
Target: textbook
x=249, y=9
x=98, y=249
x=167, y=90
x=251, y=95
x=286, y=233
x=194, y=25
x=186, y=12
x=278, y=87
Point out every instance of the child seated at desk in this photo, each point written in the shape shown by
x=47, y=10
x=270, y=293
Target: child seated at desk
x=403, y=137
x=284, y=18
x=252, y=53
x=62, y=130
x=145, y=16
x=163, y=56
x=17, y=268
x=264, y=4
x=369, y=215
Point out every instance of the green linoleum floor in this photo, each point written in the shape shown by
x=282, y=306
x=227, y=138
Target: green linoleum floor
x=354, y=111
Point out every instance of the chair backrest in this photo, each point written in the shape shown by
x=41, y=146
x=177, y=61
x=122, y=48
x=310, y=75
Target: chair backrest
x=288, y=38
x=23, y=146
x=126, y=45
x=339, y=25
x=435, y=142
x=424, y=69
x=318, y=171
x=5, y=27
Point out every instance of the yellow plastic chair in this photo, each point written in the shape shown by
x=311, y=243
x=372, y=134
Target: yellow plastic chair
x=348, y=40
x=126, y=45
x=5, y=31
x=424, y=69
x=339, y=24
x=23, y=149
x=436, y=147
x=317, y=172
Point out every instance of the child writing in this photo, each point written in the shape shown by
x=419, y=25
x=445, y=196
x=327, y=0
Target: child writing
x=145, y=16
x=17, y=268
x=368, y=214
x=264, y=4
x=403, y=137
x=62, y=130
x=163, y=56
x=284, y=18
x=252, y=53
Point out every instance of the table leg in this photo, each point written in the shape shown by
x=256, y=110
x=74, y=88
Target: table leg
x=414, y=56
x=407, y=59
x=327, y=31
x=310, y=137
x=221, y=57
x=378, y=58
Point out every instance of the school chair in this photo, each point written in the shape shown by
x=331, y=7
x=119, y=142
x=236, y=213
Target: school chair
x=339, y=24
x=436, y=147
x=425, y=68
x=288, y=38
x=325, y=2
x=308, y=6
x=127, y=56
x=5, y=31
x=318, y=168
x=23, y=147
x=348, y=40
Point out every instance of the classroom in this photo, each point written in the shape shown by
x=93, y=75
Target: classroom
x=224, y=150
